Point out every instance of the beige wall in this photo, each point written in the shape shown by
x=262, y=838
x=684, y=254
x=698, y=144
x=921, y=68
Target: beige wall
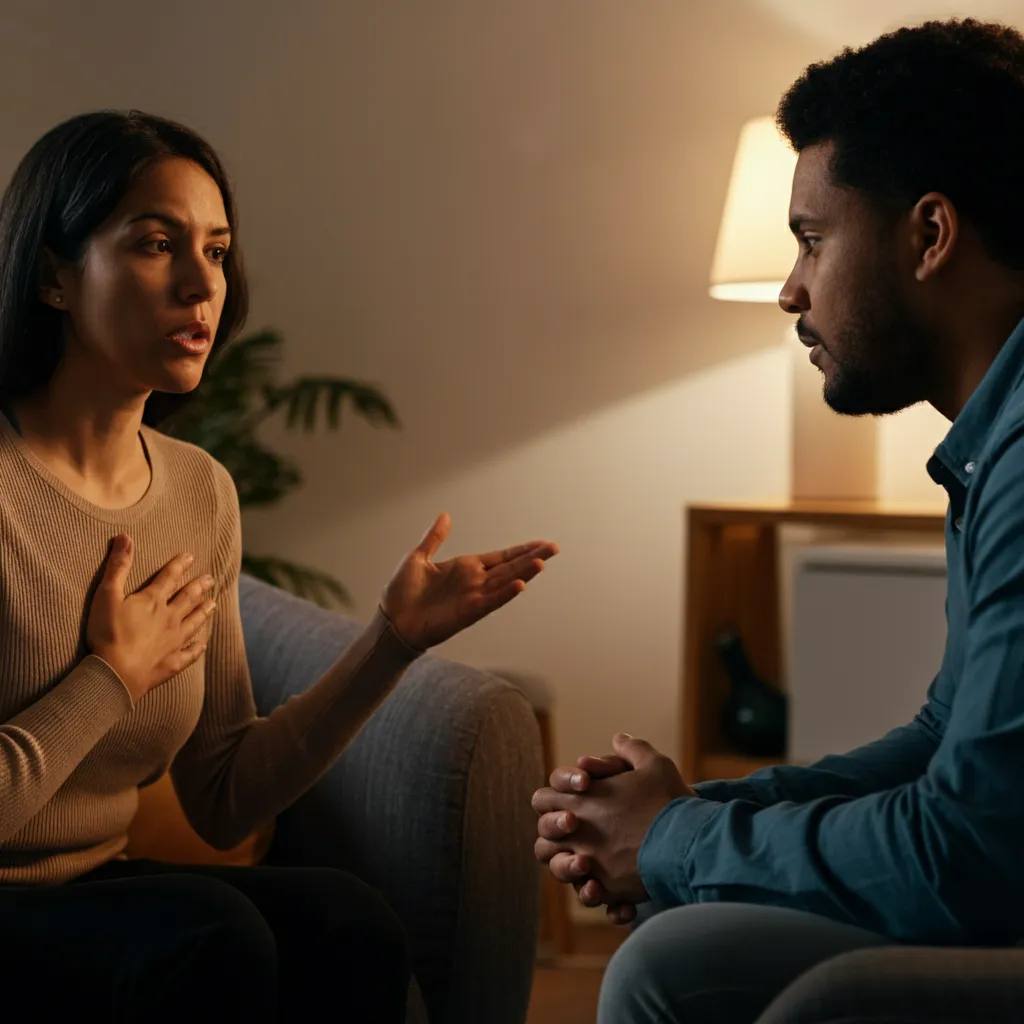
x=504, y=212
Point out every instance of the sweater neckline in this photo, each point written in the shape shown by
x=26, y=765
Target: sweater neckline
x=127, y=514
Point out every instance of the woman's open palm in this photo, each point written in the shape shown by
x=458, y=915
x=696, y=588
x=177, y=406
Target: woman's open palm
x=429, y=602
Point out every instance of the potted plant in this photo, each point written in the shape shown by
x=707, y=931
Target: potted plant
x=236, y=395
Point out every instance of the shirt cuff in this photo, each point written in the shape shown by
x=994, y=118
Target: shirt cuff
x=666, y=847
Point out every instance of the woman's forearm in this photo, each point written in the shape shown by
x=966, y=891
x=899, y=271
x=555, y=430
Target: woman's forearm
x=230, y=792
x=43, y=744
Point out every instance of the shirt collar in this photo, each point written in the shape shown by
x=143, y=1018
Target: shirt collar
x=969, y=435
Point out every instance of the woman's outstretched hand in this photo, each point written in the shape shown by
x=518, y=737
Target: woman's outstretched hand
x=428, y=602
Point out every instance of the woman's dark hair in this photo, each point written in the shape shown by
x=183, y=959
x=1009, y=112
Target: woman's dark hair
x=936, y=107
x=67, y=184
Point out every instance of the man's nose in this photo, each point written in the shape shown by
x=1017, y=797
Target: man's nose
x=793, y=297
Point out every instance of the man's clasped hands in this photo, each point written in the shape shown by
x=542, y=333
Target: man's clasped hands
x=592, y=820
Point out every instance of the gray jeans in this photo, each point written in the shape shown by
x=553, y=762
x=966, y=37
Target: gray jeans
x=717, y=963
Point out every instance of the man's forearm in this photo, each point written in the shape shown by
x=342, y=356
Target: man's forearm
x=900, y=756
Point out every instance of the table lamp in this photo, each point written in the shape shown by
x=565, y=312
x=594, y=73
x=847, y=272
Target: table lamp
x=833, y=457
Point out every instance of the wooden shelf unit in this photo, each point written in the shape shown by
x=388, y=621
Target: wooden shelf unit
x=732, y=578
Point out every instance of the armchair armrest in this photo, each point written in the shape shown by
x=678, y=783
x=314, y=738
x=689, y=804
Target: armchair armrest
x=906, y=985
x=430, y=804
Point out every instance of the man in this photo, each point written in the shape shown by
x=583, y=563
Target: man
x=908, y=207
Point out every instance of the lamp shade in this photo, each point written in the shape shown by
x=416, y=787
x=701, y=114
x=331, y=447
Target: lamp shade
x=756, y=250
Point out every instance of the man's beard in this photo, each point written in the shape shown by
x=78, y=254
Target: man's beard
x=883, y=360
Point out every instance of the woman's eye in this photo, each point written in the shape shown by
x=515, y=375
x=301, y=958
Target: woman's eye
x=163, y=245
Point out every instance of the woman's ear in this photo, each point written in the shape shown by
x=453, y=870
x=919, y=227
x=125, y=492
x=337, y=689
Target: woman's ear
x=53, y=279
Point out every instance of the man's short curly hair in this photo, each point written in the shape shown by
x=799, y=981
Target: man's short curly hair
x=935, y=107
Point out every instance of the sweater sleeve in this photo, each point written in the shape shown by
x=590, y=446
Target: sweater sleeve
x=43, y=744
x=237, y=771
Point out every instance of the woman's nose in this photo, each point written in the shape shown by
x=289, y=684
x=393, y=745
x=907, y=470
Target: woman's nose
x=199, y=281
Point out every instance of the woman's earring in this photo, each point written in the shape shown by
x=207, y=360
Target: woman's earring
x=58, y=298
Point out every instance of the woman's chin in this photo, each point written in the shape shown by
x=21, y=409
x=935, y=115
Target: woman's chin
x=179, y=383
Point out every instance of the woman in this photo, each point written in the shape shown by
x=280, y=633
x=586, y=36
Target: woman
x=120, y=276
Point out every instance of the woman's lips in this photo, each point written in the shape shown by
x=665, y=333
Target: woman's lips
x=194, y=346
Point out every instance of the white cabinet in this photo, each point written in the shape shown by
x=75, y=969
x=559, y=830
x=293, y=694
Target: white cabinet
x=866, y=629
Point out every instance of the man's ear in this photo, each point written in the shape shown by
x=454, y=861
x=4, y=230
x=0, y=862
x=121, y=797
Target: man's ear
x=934, y=231
x=53, y=275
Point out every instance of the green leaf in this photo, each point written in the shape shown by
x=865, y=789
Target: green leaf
x=261, y=477
x=311, y=584
x=236, y=395
x=303, y=396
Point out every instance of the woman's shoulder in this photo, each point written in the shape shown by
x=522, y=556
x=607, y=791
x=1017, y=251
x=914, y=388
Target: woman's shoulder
x=186, y=464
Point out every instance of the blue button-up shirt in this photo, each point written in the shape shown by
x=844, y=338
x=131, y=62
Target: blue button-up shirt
x=920, y=835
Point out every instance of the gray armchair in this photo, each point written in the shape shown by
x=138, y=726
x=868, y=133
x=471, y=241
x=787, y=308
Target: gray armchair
x=430, y=804
x=906, y=985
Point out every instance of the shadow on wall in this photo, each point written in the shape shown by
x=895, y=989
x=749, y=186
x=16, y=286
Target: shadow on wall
x=523, y=201
x=504, y=212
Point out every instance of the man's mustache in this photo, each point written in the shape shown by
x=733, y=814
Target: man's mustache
x=806, y=334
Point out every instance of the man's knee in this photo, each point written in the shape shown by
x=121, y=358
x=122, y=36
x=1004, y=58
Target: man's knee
x=680, y=965
x=646, y=965
x=726, y=958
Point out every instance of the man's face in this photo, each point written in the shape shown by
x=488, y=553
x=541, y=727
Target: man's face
x=846, y=287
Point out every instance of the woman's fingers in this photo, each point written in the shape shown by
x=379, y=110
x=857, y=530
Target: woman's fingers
x=541, y=549
x=523, y=568
x=492, y=601
x=435, y=536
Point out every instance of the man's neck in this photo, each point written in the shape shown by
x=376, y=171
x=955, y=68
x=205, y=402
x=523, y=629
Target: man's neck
x=969, y=355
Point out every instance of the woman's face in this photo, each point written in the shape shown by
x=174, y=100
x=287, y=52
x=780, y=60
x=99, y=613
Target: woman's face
x=151, y=269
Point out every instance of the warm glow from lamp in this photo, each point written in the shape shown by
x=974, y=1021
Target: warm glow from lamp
x=832, y=457
x=755, y=250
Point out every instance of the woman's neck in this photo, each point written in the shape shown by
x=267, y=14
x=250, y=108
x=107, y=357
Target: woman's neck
x=96, y=452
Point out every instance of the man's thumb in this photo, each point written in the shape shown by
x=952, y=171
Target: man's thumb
x=119, y=562
x=636, y=752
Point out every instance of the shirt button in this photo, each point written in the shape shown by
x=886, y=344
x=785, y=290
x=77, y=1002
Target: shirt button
x=969, y=468
x=958, y=523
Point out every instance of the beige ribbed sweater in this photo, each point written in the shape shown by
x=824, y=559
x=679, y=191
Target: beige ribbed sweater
x=74, y=749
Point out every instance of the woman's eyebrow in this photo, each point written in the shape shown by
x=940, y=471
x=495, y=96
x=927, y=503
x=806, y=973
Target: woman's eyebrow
x=173, y=222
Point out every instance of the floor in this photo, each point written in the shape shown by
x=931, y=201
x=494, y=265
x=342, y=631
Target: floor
x=566, y=992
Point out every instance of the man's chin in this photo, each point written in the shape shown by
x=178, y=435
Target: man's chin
x=847, y=404
x=846, y=408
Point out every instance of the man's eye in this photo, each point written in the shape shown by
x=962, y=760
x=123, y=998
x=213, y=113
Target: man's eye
x=808, y=242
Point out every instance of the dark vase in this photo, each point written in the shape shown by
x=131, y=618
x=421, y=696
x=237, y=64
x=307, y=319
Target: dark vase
x=754, y=714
